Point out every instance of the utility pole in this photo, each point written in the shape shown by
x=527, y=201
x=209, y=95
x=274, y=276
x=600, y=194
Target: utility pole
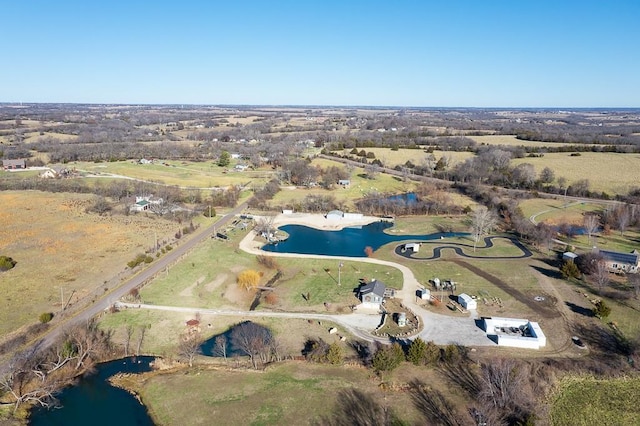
x=340, y=265
x=61, y=299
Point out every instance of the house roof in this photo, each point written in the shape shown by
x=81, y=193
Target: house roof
x=615, y=256
x=9, y=163
x=376, y=287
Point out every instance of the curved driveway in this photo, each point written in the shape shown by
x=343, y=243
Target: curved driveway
x=457, y=247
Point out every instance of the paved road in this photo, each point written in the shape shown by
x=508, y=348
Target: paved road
x=143, y=276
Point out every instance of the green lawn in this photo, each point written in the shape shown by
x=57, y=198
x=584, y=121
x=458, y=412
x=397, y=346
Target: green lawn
x=206, y=278
x=589, y=401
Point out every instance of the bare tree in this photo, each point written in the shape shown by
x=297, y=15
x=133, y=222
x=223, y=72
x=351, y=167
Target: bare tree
x=265, y=225
x=24, y=379
x=482, y=222
x=623, y=217
x=189, y=345
x=252, y=339
x=634, y=281
x=143, y=331
x=601, y=275
x=89, y=343
x=220, y=347
x=128, y=333
x=505, y=391
x=371, y=171
x=590, y=223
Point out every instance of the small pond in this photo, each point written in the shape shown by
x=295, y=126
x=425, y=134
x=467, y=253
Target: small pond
x=350, y=241
x=93, y=401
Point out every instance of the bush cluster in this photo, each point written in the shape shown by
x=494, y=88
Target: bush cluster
x=141, y=258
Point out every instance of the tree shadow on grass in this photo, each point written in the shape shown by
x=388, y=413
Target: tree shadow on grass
x=547, y=272
x=434, y=406
x=579, y=309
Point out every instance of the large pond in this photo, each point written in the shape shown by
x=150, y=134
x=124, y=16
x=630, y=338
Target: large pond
x=345, y=242
x=93, y=401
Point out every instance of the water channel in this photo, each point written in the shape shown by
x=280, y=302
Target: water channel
x=93, y=401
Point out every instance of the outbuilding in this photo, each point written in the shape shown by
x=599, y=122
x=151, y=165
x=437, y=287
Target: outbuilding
x=414, y=247
x=467, y=301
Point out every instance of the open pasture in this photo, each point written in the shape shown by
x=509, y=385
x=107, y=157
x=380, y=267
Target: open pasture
x=511, y=140
x=392, y=158
x=178, y=173
x=62, y=249
x=608, y=172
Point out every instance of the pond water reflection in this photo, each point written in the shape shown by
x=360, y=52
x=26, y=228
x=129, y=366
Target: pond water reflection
x=350, y=241
x=93, y=401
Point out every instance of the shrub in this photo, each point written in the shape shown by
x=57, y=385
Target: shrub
x=335, y=354
x=6, y=263
x=209, y=212
x=601, y=310
x=45, y=317
x=417, y=351
x=267, y=261
x=387, y=358
x=271, y=298
x=569, y=270
x=141, y=258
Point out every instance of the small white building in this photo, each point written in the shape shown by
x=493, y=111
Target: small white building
x=424, y=294
x=414, y=247
x=467, y=301
x=352, y=216
x=569, y=256
x=287, y=211
x=335, y=215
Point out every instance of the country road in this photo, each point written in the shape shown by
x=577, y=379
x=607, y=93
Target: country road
x=137, y=280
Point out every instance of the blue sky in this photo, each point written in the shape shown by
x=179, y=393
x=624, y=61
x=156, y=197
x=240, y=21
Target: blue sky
x=491, y=53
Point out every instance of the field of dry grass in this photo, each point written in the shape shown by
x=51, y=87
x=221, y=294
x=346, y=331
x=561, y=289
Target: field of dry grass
x=609, y=172
x=511, y=140
x=179, y=173
x=295, y=392
x=393, y=158
x=59, y=246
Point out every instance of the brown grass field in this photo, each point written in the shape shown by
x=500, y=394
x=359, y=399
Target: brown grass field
x=294, y=392
x=59, y=246
x=607, y=172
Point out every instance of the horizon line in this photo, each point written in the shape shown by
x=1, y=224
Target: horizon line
x=319, y=106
